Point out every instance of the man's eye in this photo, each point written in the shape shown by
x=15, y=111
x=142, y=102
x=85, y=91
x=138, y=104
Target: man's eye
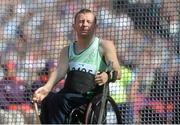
x=81, y=21
x=89, y=21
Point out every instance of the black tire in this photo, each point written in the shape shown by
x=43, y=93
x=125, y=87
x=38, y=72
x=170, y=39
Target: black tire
x=77, y=115
x=92, y=112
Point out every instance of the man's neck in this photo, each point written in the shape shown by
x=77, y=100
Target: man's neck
x=82, y=44
x=85, y=42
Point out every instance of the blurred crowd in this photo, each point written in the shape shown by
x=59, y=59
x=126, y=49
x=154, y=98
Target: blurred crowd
x=146, y=34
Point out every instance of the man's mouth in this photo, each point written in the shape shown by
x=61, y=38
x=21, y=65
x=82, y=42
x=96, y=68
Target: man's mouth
x=84, y=31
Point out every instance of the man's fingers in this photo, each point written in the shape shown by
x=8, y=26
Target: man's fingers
x=99, y=82
x=101, y=78
x=36, y=98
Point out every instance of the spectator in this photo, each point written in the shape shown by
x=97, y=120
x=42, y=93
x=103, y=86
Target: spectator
x=170, y=12
x=12, y=88
x=153, y=58
x=119, y=92
x=43, y=76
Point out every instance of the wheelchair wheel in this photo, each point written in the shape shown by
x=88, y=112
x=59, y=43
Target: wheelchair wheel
x=111, y=114
x=77, y=115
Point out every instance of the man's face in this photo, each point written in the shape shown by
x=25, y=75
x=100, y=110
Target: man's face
x=85, y=24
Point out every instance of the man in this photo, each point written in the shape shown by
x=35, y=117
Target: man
x=84, y=63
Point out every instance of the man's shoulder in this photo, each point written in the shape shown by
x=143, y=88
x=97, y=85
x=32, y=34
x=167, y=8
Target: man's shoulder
x=105, y=42
x=104, y=45
x=64, y=51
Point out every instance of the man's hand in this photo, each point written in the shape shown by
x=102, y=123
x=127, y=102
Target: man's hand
x=40, y=94
x=101, y=78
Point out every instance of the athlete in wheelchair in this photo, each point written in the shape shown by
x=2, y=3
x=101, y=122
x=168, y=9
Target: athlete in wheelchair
x=84, y=64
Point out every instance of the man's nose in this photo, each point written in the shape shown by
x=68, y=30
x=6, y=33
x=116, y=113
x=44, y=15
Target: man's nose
x=85, y=23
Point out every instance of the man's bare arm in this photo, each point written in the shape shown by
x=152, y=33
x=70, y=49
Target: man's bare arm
x=61, y=70
x=110, y=53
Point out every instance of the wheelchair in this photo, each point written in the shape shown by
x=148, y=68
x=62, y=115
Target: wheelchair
x=90, y=113
x=101, y=109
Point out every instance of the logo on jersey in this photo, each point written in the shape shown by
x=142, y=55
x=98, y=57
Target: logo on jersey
x=77, y=66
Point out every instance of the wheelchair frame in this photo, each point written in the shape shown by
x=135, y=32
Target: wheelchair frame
x=86, y=114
